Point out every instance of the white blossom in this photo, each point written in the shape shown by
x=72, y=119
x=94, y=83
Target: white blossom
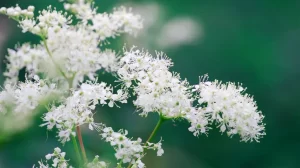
x=24, y=97
x=120, y=21
x=96, y=163
x=17, y=13
x=78, y=108
x=81, y=8
x=56, y=159
x=128, y=150
x=24, y=56
x=199, y=120
x=157, y=89
x=68, y=57
x=232, y=110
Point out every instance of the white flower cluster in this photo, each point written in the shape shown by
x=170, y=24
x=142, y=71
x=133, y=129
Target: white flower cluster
x=75, y=52
x=57, y=158
x=73, y=49
x=24, y=56
x=199, y=120
x=47, y=19
x=157, y=89
x=78, y=108
x=96, y=163
x=104, y=24
x=17, y=13
x=68, y=54
x=233, y=111
x=127, y=150
x=25, y=97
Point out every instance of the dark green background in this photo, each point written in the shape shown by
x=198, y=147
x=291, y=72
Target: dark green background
x=254, y=42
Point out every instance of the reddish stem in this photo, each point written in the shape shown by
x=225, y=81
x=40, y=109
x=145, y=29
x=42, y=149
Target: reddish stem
x=81, y=143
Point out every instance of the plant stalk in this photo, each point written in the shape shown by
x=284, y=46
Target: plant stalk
x=153, y=133
x=81, y=144
x=77, y=150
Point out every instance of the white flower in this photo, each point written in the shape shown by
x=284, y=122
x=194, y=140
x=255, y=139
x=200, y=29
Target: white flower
x=81, y=8
x=7, y=99
x=199, y=120
x=96, y=163
x=234, y=111
x=27, y=25
x=17, y=13
x=25, y=97
x=57, y=158
x=128, y=150
x=120, y=21
x=78, y=108
x=25, y=56
x=126, y=21
x=138, y=164
x=157, y=89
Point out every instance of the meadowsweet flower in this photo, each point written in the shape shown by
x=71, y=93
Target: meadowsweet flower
x=24, y=56
x=7, y=99
x=232, y=110
x=50, y=19
x=128, y=150
x=96, y=163
x=57, y=158
x=120, y=21
x=25, y=97
x=68, y=58
x=156, y=146
x=17, y=13
x=199, y=120
x=78, y=108
x=19, y=103
x=157, y=89
x=81, y=8
x=75, y=51
x=104, y=24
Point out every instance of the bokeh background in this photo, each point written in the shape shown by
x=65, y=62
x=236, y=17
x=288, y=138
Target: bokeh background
x=254, y=42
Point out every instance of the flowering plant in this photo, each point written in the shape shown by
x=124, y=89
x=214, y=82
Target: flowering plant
x=61, y=72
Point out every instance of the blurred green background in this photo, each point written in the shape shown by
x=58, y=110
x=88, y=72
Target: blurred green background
x=254, y=42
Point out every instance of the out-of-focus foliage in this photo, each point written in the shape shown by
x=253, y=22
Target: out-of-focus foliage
x=255, y=42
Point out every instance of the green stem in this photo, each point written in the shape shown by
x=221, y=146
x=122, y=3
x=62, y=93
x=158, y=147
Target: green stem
x=51, y=57
x=120, y=164
x=76, y=150
x=160, y=121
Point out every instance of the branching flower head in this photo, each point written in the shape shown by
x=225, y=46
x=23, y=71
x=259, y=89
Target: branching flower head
x=78, y=108
x=127, y=150
x=57, y=158
x=234, y=111
x=68, y=57
x=157, y=89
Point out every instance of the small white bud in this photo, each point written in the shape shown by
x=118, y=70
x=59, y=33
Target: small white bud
x=36, y=30
x=57, y=150
x=67, y=6
x=48, y=157
x=30, y=8
x=16, y=13
x=18, y=9
x=10, y=11
x=42, y=24
x=63, y=154
x=23, y=12
x=3, y=10
x=30, y=14
x=37, y=78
